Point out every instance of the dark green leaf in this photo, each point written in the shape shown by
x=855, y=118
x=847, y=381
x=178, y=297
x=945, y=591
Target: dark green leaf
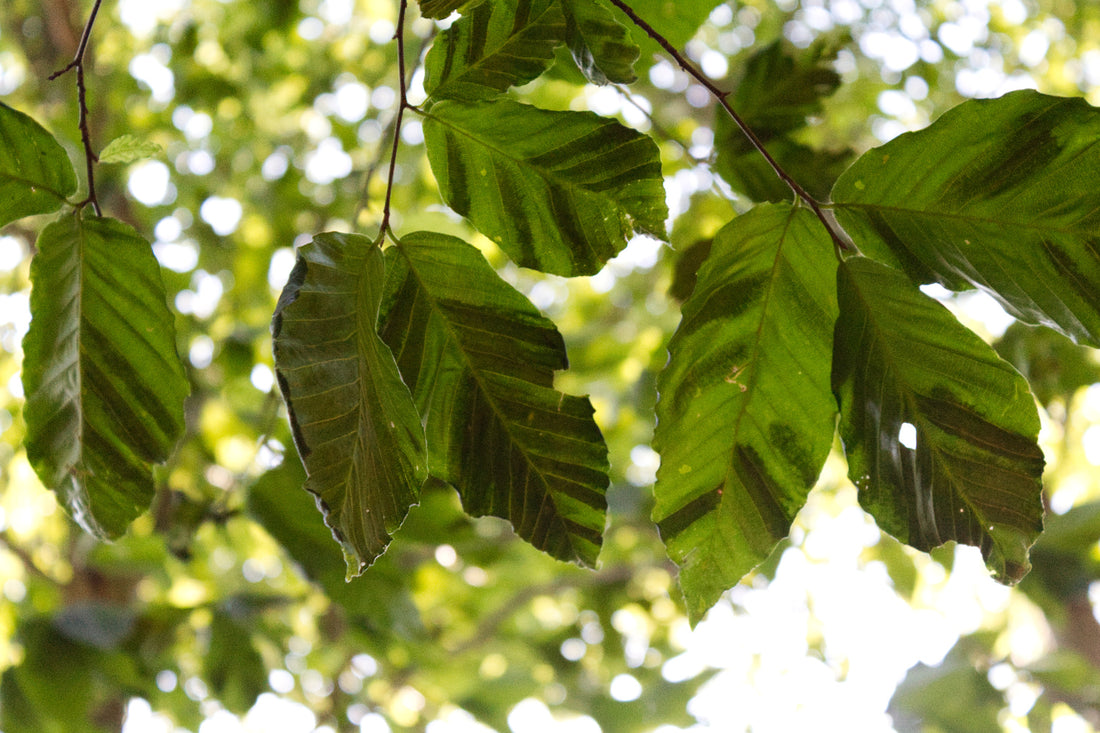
x=480, y=361
x=232, y=665
x=746, y=417
x=748, y=173
x=379, y=601
x=104, y=385
x=999, y=194
x=354, y=421
x=900, y=359
x=600, y=44
x=495, y=46
x=559, y=192
x=779, y=90
x=35, y=173
x=439, y=9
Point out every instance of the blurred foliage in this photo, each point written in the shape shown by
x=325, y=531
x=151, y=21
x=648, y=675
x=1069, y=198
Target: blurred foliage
x=231, y=586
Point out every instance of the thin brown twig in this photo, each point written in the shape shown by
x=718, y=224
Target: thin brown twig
x=90, y=158
x=398, y=34
x=840, y=239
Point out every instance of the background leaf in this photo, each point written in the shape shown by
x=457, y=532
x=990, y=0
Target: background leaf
x=902, y=358
x=354, y=421
x=35, y=173
x=600, y=44
x=779, y=90
x=997, y=194
x=480, y=360
x=559, y=192
x=745, y=418
x=104, y=385
x=495, y=46
x=127, y=149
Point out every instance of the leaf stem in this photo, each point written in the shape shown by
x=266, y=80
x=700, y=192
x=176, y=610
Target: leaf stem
x=840, y=238
x=399, y=35
x=90, y=158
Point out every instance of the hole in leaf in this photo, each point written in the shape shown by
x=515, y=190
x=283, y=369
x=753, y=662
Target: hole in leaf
x=907, y=435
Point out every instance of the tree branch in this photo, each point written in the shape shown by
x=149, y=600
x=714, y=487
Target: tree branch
x=841, y=240
x=90, y=158
x=399, y=34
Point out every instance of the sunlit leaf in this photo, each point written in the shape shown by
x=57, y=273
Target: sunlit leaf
x=997, y=194
x=355, y=424
x=104, y=385
x=35, y=173
x=127, y=149
x=600, y=44
x=745, y=418
x=495, y=46
x=559, y=192
x=480, y=360
x=906, y=372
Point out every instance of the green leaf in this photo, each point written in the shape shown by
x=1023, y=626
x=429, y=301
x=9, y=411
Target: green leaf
x=480, y=360
x=999, y=194
x=779, y=90
x=104, y=385
x=127, y=149
x=354, y=421
x=677, y=22
x=232, y=665
x=1053, y=367
x=439, y=9
x=559, y=192
x=495, y=46
x=600, y=44
x=35, y=173
x=746, y=417
x=902, y=358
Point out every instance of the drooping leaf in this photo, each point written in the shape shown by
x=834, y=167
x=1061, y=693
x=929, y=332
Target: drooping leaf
x=104, y=385
x=559, y=192
x=600, y=44
x=495, y=46
x=354, y=421
x=746, y=417
x=439, y=9
x=905, y=370
x=127, y=149
x=997, y=194
x=480, y=360
x=35, y=173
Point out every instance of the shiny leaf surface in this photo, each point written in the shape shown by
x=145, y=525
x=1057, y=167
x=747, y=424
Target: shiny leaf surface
x=991, y=195
x=940, y=432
